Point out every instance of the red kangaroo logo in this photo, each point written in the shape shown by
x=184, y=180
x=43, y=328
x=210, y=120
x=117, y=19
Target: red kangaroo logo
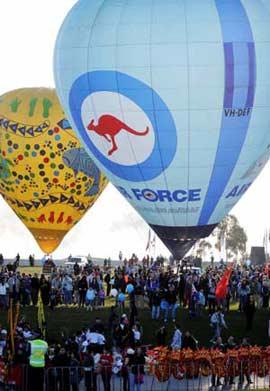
x=109, y=126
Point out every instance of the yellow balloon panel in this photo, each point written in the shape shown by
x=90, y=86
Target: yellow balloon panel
x=45, y=175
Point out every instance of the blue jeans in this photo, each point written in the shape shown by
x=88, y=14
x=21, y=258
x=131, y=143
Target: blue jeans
x=217, y=331
x=155, y=311
x=132, y=385
x=173, y=308
x=67, y=296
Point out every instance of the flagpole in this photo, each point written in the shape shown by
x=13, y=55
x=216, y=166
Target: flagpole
x=11, y=327
x=148, y=246
x=154, y=246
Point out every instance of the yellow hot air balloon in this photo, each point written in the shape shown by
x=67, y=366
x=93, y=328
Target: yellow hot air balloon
x=45, y=175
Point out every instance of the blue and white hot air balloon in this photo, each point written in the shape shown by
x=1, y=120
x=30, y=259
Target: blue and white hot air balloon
x=172, y=101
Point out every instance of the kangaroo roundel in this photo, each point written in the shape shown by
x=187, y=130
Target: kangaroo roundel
x=118, y=128
x=118, y=121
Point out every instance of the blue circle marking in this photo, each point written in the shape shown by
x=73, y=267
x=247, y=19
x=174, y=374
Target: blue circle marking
x=149, y=101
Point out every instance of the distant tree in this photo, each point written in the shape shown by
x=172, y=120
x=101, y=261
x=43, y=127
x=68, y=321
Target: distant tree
x=233, y=235
x=202, y=247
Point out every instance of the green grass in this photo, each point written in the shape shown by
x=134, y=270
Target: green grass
x=71, y=319
x=30, y=270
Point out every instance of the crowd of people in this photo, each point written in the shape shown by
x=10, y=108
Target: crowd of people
x=162, y=290
x=117, y=345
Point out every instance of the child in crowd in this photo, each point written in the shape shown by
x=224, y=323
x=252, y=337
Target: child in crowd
x=90, y=299
x=102, y=297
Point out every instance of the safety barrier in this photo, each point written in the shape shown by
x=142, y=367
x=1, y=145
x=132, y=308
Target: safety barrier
x=130, y=379
x=170, y=378
x=14, y=376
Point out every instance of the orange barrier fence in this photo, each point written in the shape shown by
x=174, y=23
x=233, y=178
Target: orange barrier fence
x=205, y=362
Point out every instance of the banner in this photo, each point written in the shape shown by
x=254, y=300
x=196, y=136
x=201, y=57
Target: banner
x=221, y=289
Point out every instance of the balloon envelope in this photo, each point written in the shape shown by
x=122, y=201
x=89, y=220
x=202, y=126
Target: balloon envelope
x=114, y=292
x=171, y=101
x=130, y=288
x=46, y=177
x=121, y=297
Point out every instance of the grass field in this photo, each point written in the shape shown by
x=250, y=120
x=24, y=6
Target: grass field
x=71, y=319
x=30, y=270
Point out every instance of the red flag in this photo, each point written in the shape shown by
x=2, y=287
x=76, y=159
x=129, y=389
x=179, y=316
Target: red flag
x=221, y=289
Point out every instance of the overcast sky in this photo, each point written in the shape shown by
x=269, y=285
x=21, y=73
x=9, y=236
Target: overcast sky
x=28, y=31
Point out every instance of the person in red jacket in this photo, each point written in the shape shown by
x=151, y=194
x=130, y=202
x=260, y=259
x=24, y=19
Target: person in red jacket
x=106, y=361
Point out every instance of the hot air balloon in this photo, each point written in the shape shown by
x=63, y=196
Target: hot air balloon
x=46, y=177
x=171, y=100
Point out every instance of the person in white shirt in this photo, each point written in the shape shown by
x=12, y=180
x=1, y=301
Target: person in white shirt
x=96, y=341
x=217, y=321
x=177, y=338
x=136, y=335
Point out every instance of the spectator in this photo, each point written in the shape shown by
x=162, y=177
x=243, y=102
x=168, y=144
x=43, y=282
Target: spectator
x=35, y=285
x=45, y=290
x=249, y=310
x=200, y=303
x=76, y=269
x=243, y=291
x=161, y=336
x=89, y=371
x=67, y=288
x=74, y=372
x=189, y=342
x=4, y=293
x=106, y=361
x=171, y=299
x=177, y=338
x=136, y=335
x=90, y=298
x=101, y=295
x=82, y=286
x=107, y=280
x=156, y=300
x=244, y=372
x=137, y=370
x=218, y=345
x=217, y=321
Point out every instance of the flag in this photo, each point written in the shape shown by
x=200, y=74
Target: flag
x=221, y=288
x=41, y=317
x=149, y=241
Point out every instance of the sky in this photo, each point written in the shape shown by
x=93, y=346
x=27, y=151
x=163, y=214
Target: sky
x=28, y=30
